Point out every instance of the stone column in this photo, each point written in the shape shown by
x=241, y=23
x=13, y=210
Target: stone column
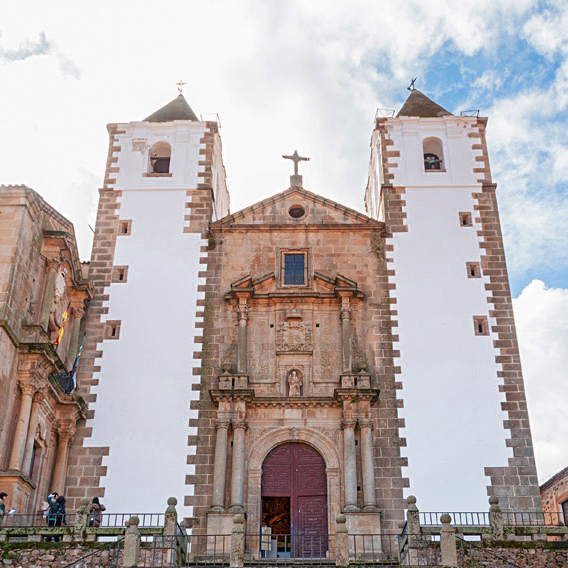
x=345, y=312
x=448, y=543
x=220, y=471
x=349, y=465
x=238, y=471
x=242, y=315
x=131, y=543
x=77, y=315
x=53, y=267
x=34, y=419
x=341, y=542
x=65, y=435
x=368, y=465
x=21, y=434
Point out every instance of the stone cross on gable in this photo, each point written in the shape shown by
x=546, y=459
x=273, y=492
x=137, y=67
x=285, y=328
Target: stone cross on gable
x=295, y=157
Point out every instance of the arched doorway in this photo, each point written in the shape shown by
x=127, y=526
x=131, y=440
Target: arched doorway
x=294, y=501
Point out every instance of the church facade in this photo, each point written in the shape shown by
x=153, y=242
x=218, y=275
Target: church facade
x=299, y=359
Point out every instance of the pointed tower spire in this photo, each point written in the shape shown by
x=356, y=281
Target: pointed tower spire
x=178, y=109
x=418, y=104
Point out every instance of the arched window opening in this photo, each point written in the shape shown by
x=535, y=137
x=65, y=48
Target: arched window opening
x=433, y=154
x=160, y=155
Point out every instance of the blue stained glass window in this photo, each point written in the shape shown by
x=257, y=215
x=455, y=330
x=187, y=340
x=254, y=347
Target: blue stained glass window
x=294, y=265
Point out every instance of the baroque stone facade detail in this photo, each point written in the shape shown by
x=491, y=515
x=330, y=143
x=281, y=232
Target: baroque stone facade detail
x=294, y=336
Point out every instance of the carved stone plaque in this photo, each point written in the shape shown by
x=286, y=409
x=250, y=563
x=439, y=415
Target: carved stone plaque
x=294, y=336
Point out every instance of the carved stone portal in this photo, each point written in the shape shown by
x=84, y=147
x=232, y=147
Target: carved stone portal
x=294, y=336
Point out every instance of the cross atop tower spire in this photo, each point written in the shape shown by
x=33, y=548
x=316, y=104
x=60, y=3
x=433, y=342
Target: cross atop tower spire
x=180, y=85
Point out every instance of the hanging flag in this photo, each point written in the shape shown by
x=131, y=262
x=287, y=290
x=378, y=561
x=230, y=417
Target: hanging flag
x=71, y=378
x=62, y=328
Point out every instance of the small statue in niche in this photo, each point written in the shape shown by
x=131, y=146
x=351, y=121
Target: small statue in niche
x=294, y=383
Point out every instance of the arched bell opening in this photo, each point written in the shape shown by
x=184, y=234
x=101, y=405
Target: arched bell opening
x=294, y=502
x=160, y=155
x=433, y=154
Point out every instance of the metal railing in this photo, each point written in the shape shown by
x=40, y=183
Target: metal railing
x=534, y=519
x=462, y=519
x=207, y=550
x=162, y=551
x=310, y=548
x=149, y=520
x=108, y=556
x=36, y=520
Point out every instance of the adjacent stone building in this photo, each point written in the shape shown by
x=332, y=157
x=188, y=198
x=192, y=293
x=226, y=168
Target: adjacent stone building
x=298, y=359
x=40, y=277
x=554, y=494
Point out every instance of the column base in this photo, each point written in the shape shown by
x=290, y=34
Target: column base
x=350, y=508
x=236, y=509
x=366, y=524
x=370, y=508
x=216, y=509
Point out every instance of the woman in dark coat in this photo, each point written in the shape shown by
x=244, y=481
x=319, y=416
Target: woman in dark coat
x=96, y=509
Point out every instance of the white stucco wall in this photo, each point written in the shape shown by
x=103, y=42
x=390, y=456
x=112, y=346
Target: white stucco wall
x=452, y=404
x=142, y=410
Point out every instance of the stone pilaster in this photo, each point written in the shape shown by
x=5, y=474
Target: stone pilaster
x=34, y=419
x=345, y=312
x=242, y=315
x=65, y=433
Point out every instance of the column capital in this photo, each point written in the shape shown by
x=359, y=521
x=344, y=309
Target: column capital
x=366, y=423
x=243, y=313
x=78, y=312
x=240, y=424
x=54, y=262
x=345, y=313
x=348, y=423
x=28, y=388
x=65, y=430
x=220, y=424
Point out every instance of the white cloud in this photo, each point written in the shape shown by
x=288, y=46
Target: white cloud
x=541, y=315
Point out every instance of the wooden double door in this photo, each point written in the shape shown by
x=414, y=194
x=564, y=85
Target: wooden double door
x=294, y=500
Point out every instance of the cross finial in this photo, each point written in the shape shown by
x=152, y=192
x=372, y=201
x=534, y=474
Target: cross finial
x=295, y=157
x=180, y=85
x=411, y=86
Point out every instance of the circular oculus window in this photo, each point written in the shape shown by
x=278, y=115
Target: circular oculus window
x=296, y=212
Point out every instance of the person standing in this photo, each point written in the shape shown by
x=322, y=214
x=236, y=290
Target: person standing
x=52, y=512
x=96, y=509
x=3, y=497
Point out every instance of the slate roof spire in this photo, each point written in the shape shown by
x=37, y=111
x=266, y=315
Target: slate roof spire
x=178, y=109
x=418, y=104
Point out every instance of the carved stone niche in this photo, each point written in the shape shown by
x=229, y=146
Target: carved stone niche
x=301, y=363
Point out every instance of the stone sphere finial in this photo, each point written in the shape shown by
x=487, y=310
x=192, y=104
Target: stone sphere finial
x=401, y=524
x=239, y=519
x=134, y=521
x=184, y=524
x=494, y=500
x=172, y=501
x=341, y=519
x=445, y=519
x=411, y=500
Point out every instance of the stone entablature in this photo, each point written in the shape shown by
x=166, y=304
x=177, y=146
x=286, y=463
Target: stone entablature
x=43, y=281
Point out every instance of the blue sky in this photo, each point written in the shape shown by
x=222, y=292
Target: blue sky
x=292, y=74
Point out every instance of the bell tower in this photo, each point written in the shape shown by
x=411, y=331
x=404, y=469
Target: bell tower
x=466, y=420
x=164, y=183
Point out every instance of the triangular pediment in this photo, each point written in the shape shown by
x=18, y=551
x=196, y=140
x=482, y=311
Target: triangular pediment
x=280, y=210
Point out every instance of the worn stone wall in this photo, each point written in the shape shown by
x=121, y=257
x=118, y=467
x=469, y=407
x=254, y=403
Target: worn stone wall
x=338, y=242
x=554, y=492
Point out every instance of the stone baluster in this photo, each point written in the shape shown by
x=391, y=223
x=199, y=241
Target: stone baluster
x=237, y=552
x=238, y=470
x=220, y=469
x=242, y=315
x=53, y=266
x=21, y=434
x=496, y=518
x=345, y=312
x=341, y=542
x=368, y=465
x=349, y=465
x=65, y=435
x=30, y=441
